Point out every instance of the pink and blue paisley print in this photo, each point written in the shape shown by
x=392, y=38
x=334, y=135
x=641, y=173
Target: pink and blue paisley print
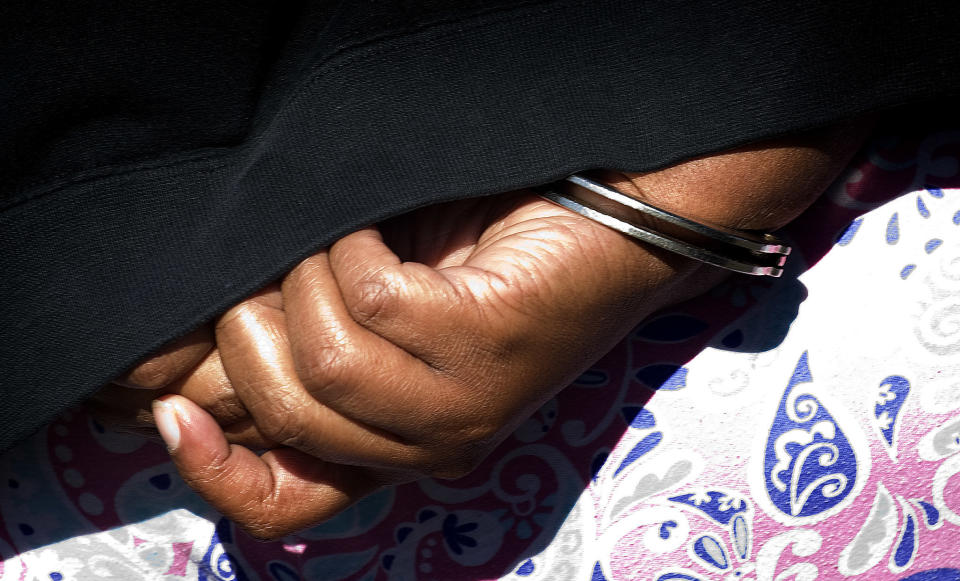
x=804, y=428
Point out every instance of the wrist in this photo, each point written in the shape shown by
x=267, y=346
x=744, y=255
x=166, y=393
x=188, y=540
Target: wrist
x=760, y=186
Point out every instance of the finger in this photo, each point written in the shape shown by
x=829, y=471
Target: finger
x=269, y=496
x=125, y=405
x=437, y=235
x=246, y=433
x=373, y=281
x=170, y=362
x=123, y=409
x=255, y=351
x=352, y=369
x=130, y=410
x=209, y=387
x=417, y=308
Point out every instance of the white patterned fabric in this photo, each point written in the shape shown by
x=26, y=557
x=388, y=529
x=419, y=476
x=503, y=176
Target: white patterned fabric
x=805, y=428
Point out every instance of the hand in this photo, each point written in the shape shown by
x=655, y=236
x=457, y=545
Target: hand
x=389, y=370
x=413, y=349
x=453, y=391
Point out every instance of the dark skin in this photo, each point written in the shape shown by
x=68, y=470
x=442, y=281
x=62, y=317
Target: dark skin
x=411, y=349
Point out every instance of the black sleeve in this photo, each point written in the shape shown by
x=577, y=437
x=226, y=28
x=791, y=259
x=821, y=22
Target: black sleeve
x=162, y=160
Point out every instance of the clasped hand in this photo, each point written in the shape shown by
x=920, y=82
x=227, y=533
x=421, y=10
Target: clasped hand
x=405, y=350
x=412, y=348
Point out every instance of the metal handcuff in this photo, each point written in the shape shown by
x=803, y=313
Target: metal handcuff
x=757, y=254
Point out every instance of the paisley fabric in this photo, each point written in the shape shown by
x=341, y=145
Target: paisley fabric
x=805, y=428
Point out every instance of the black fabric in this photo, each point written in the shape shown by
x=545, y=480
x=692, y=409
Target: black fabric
x=162, y=160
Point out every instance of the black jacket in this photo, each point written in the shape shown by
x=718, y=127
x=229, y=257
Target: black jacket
x=162, y=160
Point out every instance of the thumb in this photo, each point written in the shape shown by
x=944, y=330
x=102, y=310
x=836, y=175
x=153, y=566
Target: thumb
x=268, y=496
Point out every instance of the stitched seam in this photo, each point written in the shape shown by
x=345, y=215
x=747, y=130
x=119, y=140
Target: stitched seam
x=105, y=172
x=341, y=58
x=353, y=53
x=40, y=201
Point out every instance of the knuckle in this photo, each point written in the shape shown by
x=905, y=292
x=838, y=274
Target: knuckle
x=328, y=362
x=278, y=416
x=239, y=313
x=373, y=298
x=225, y=408
x=284, y=430
x=266, y=399
x=322, y=354
x=155, y=372
x=170, y=362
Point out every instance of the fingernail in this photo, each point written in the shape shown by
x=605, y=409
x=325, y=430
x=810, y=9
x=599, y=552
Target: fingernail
x=165, y=414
